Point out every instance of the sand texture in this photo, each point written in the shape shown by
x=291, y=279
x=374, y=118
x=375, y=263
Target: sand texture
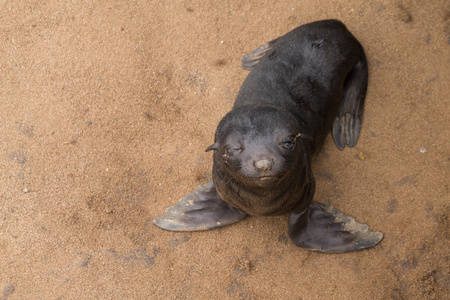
x=106, y=108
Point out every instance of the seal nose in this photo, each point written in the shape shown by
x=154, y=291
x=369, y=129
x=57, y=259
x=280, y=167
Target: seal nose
x=264, y=165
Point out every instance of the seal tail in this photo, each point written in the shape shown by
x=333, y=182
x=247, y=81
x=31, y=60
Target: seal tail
x=347, y=124
x=251, y=60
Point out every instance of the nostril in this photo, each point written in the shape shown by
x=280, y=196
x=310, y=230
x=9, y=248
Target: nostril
x=264, y=165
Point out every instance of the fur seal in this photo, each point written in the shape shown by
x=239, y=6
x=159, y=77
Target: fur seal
x=301, y=86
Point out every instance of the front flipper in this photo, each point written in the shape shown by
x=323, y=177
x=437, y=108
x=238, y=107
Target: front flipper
x=250, y=60
x=202, y=209
x=323, y=228
x=347, y=124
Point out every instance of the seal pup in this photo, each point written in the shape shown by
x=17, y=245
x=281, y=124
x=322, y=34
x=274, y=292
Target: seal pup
x=301, y=86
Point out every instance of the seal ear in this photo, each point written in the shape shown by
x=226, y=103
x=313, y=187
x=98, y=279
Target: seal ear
x=304, y=136
x=214, y=146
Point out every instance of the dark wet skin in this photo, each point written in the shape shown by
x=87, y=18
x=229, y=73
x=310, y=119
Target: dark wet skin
x=301, y=86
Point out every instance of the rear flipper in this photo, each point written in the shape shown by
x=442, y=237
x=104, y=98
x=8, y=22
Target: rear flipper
x=323, y=228
x=203, y=209
x=250, y=60
x=347, y=124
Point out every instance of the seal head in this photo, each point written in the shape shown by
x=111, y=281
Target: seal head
x=259, y=158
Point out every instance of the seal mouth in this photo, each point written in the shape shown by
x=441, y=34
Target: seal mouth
x=265, y=178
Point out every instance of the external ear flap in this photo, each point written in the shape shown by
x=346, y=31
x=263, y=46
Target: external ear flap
x=214, y=146
x=304, y=136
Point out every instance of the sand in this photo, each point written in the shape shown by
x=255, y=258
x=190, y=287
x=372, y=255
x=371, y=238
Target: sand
x=106, y=109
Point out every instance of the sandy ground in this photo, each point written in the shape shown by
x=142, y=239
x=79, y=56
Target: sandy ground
x=106, y=109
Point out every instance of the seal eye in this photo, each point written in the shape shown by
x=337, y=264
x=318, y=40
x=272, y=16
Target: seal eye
x=288, y=144
x=231, y=151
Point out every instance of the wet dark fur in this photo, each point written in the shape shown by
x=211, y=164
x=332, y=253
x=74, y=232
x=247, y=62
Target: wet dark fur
x=300, y=86
x=296, y=88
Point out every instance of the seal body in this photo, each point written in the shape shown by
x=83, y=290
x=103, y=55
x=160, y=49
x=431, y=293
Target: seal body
x=301, y=86
x=296, y=88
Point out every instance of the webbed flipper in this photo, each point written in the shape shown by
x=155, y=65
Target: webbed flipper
x=323, y=228
x=250, y=60
x=202, y=209
x=347, y=124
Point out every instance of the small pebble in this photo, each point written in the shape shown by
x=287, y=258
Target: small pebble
x=84, y=262
x=8, y=290
x=423, y=150
x=25, y=190
x=362, y=155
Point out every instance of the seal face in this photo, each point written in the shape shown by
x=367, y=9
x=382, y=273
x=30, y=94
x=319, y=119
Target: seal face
x=301, y=85
x=257, y=146
x=258, y=160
